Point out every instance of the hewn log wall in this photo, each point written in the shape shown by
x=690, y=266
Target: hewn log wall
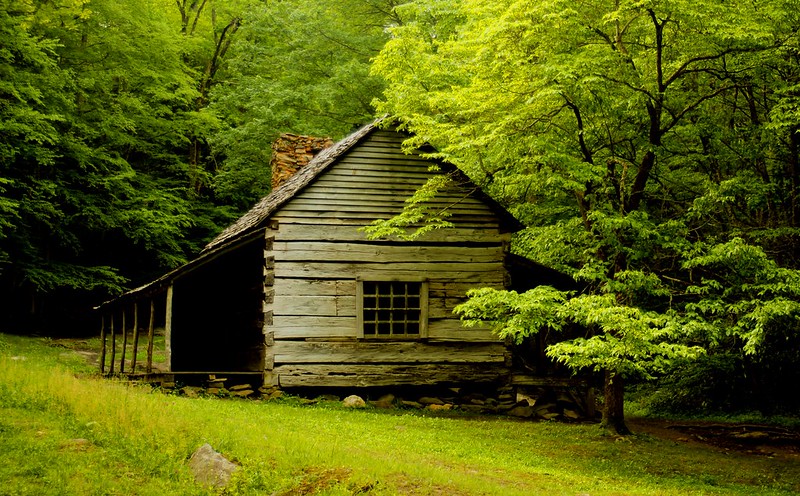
x=319, y=253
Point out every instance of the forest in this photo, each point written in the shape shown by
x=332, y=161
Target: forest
x=651, y=147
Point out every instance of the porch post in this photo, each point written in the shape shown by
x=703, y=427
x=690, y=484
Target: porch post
x=102, y=344
x=135, y=335
x=124, y=342
x=168, y=329
x=113, y=345
x=150, y=332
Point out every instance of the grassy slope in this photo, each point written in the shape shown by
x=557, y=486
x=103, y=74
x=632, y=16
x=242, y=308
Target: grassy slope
x=64, y=434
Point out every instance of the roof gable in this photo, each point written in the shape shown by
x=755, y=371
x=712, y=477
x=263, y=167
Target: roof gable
x=279, y=197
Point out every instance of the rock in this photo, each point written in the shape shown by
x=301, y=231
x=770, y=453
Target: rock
x=243, y=393
x=752, y=435
x=436, y=407
x=354, y=401
x=571, y=414
x=549, y=416
x=240, y=387
x=211, y=468
x=306, y=401
x=476, y=401
x=473, y=397
x=191, y=392
x=472, y=408
x=504, y=407
x=505, y=397
x=521, y=411
x=275, y=395
x=523, y=398
x=213, y=390
x=410, y=404
x=385, y=401
x=79, y=444
x=427, y=400
x=329, y=397
x=541, y=410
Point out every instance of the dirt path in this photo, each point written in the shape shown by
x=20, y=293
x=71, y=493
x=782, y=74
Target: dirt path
x=754, y=439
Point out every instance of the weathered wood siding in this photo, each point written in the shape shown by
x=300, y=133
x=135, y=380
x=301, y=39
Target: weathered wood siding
x=319, y=253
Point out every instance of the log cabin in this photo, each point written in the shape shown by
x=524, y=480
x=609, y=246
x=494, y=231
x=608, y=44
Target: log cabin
x=296, y=293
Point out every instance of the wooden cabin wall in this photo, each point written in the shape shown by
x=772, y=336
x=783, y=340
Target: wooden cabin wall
x=319, y=253
x=217, y=314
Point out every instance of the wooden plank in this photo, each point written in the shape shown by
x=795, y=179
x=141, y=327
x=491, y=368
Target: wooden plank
x=369, y=183
x=314, y=287
x=382, y=198
x=336, y=375
x=380, y=185
x=454, y=289
x=334, y=221
x=325, y=251
x=529, y=380
x=453, y=330
x=483, y=273
x=363, y=160
x=332, y=306
x=294, y=327
x=344, y=216
x=359, y=208
x=150, y=335
x=286, y=352
x=168, y=328
x=303, y=231
x=400, y=174
x=382, y=153
x=322, y=192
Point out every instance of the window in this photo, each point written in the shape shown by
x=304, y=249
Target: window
x=393, y=309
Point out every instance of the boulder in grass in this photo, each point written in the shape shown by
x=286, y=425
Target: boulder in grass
x=354, y=401
x=210, y=468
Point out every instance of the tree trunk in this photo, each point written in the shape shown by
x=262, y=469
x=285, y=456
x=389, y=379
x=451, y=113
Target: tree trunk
x=613, y=414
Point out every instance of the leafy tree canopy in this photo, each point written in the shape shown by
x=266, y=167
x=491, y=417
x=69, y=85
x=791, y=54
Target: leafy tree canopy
x=651, y=146
x=132, y=132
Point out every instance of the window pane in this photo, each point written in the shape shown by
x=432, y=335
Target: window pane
x=391, y=308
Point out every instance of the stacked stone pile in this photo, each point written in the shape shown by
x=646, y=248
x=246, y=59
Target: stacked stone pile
x=546, y=403
x=290, y=152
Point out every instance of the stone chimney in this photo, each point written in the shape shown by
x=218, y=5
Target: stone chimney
x=290, y=152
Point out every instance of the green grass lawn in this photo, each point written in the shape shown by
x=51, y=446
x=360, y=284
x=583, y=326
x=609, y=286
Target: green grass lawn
x=63, y=430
